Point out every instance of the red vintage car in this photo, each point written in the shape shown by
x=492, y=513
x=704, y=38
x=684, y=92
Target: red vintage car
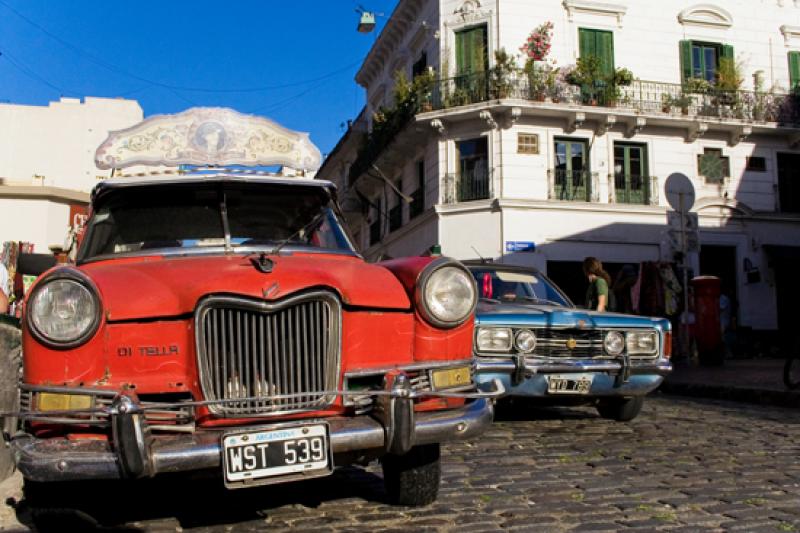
x=223, y=320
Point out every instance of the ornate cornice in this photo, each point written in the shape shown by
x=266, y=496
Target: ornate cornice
x=594, y=8
x=706, y=15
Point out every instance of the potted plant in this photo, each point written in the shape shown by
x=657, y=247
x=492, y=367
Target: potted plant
x=422, y=88
x=729, y=81
x=501, y=75
x=696, y=86
x=683, y=101
x=666, y=102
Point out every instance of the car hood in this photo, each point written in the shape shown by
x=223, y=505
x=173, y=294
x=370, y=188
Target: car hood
x=155, y=286
x=490, y=312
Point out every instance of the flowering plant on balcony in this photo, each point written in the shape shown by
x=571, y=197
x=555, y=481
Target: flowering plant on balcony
x=537, y=46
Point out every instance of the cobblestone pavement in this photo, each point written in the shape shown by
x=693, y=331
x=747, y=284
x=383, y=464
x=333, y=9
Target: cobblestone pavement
x=683, y=465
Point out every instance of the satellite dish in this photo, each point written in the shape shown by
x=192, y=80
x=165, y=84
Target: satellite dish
x=680, y=192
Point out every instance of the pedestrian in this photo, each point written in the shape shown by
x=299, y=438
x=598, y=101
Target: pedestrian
x=3, y=289
x=598, y=295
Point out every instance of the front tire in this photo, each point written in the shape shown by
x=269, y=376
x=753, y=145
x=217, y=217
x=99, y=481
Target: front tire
x=413, y=479
x=621, y=410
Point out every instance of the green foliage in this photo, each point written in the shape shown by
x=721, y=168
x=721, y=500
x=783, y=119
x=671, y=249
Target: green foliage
x=623, y=77
x=501, y=75
x=696, y=86
x=729, y=75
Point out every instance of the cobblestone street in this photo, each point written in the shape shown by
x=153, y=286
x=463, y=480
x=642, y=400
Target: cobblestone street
x=682, y=465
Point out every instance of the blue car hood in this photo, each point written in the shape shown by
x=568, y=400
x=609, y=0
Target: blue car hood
x=494, y=313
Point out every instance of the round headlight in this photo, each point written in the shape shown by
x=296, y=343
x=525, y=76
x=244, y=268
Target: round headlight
x=614, y=343
x=446, y=294
x=525, y=341
x=63, y=312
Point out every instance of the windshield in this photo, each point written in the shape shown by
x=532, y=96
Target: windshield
x=131, y=220
x=516, y=286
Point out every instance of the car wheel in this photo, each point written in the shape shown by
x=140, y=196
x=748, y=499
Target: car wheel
x=10, y=366
x=413, y=479
x=621, y=410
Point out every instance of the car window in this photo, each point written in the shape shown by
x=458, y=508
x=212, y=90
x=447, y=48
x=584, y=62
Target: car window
x=523, y=287
x=142, y=218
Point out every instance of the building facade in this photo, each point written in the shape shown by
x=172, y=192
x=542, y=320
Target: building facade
x=47, y=164
x=547, y=161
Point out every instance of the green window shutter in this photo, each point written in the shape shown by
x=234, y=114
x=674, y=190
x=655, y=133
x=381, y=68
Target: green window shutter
x=686, y=60
x=794, y=69
x=471, y=51
x=605, y=51
x=726, y=52
x=600, y=44
x=586, y=42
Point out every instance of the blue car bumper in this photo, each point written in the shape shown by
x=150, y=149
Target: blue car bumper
x=530, y=376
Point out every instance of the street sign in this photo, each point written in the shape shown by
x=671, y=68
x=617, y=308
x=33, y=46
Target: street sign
x=680, y=192
x=520, y=246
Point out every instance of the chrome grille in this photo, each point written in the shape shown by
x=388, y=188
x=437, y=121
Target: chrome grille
x=555, y=343
x=252, y=350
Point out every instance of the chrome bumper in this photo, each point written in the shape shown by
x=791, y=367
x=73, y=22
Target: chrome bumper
x=136, y=452
x=524, y=367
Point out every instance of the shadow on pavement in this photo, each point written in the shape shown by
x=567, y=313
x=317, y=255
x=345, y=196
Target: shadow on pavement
x=528, y=409
x=192, y=502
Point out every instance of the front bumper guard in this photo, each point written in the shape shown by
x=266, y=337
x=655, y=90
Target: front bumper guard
x=136, y=452
x=523, y=367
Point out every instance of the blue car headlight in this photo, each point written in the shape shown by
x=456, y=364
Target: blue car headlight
x=642, y=343
x=493, y=339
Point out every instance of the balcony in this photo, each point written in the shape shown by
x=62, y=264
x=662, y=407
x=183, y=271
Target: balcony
x=633, y=189
x=643, y=97
x=572, y=185
x=467, y=187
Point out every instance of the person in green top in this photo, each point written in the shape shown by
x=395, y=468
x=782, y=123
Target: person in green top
x=598, y=295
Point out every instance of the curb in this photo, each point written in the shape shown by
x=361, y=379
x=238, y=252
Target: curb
x=734, y=394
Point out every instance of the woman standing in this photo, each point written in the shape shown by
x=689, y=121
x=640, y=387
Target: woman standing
x=598, y=296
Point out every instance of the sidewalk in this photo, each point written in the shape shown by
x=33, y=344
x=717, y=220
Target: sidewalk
x=741, y=380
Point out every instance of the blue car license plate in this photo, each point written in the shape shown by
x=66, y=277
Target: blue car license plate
x=569, y=383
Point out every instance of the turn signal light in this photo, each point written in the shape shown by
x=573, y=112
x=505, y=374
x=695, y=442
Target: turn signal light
x=667, y=344
x=451, y=377
x=48, y=401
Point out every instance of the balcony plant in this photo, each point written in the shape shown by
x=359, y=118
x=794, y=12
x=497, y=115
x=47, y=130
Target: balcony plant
x=501, y=75
x=422, y=88
x=542, y=79
x=729, y=82
x=682, y=101
x=696, y=86
x=537, y=45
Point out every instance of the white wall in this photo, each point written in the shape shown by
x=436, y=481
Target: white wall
x=58, y=141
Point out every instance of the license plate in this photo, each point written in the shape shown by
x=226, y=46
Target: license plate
x=569, y=383
x=294, y=452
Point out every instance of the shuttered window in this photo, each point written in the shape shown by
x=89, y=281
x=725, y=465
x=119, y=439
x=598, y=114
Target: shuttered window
x=471, y=51
x=598, y=43
x=701, y=60
x=794, y=69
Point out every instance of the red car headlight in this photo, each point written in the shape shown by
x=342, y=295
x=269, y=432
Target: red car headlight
x=446, y=294
x=63, y=310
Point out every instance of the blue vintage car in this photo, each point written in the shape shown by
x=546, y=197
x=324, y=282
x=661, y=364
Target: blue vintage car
x=531, y=337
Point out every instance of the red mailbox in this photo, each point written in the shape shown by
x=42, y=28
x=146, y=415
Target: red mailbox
x=707, y=332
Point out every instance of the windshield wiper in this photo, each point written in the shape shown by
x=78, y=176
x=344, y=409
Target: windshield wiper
x=313, y=224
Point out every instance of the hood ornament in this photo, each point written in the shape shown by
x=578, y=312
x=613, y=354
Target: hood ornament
x=271, y=290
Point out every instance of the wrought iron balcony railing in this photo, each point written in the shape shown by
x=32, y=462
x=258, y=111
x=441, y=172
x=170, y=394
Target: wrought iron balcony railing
x=641, y=96
x=632, y=189
x=572, y=185
x=467, y=187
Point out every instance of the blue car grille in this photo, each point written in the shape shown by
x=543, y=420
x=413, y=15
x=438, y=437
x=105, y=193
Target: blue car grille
x=568, y=343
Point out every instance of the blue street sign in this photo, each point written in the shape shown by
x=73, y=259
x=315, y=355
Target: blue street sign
x=520, y=246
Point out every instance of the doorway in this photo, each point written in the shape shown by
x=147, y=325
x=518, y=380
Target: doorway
x=720, y=261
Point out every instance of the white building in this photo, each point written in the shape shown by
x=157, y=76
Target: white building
x=495, y=162
x=47, y=164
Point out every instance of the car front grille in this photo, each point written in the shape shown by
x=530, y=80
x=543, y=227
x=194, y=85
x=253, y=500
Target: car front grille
x=250, y=351
x=569, y=343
